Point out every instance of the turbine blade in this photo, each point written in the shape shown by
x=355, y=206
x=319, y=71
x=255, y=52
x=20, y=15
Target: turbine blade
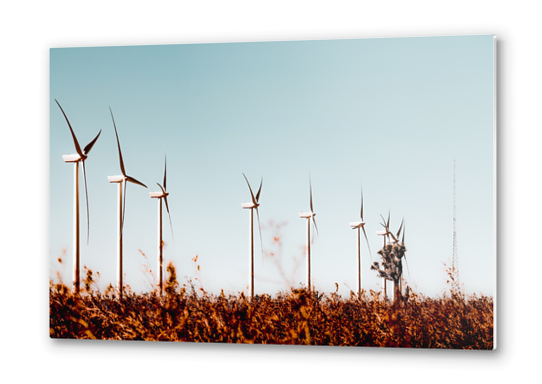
x=310, y=187
x=316, y=229
x=368, y=246
x=408, y=270
x=259, y=190
x=251, y=194
x=132, y=180
x=260, y=230
x=361, y=214
x=315, y=226
x=89, y=146
x=388, y=222
x=401, y=227
x=167, y=208
x=86, y=199
x=169, y=215
x=403, y=240
x=165, y=168
x=118, y=143
x=77, y=147
x=123, y=208
x=384, y=222
x=390, y=233
x=162, y=188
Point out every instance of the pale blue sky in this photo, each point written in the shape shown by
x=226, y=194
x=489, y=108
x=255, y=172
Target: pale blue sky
x=390, y=114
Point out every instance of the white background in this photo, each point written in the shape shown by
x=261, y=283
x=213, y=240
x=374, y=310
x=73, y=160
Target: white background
x=29, y=29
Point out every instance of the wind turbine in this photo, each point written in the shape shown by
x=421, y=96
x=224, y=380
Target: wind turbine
x=360, y=225
x=253, y=205
x=161, y=195
x=80, y=157
x=395, y=238
x=121, y=179
x=393, y=242
x=404, y=255
x=308, y=216
x=386, y=233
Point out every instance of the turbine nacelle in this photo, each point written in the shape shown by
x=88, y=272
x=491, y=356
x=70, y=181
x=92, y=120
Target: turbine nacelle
x=162, y=193
x=249, y=205
x=122, y=178
x=357, y=224
x=75, y=158
x=158, y=195
x=306, y=215
x=116, y=179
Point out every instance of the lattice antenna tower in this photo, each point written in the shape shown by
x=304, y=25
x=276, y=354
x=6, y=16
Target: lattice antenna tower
x=454, y=251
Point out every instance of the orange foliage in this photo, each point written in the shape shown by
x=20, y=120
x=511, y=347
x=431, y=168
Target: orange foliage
x=291, y=317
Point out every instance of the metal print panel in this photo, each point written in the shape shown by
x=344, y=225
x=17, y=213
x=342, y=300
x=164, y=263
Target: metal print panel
x=334, y=192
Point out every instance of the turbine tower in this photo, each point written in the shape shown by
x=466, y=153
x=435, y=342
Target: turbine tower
x=80, y=157
x=161, y=195
x=309, y=215
x=121, y=180
x=253, y=205
x=360, y=225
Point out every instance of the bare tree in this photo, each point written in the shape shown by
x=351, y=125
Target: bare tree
x=391, y=267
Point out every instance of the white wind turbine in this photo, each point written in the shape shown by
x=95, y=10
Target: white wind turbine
x=385, y=234
x=161, y=195
x=360, y=225
x=404, y=255
x=393, y=239
x=80, y=157
x=253, y=205
x=309, y=215
x=396, y=241
x=121, y=179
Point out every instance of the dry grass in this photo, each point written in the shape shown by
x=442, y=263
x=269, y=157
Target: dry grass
x=290, y=317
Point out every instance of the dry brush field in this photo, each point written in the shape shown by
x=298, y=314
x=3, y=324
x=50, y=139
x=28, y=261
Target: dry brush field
x=297, y=316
